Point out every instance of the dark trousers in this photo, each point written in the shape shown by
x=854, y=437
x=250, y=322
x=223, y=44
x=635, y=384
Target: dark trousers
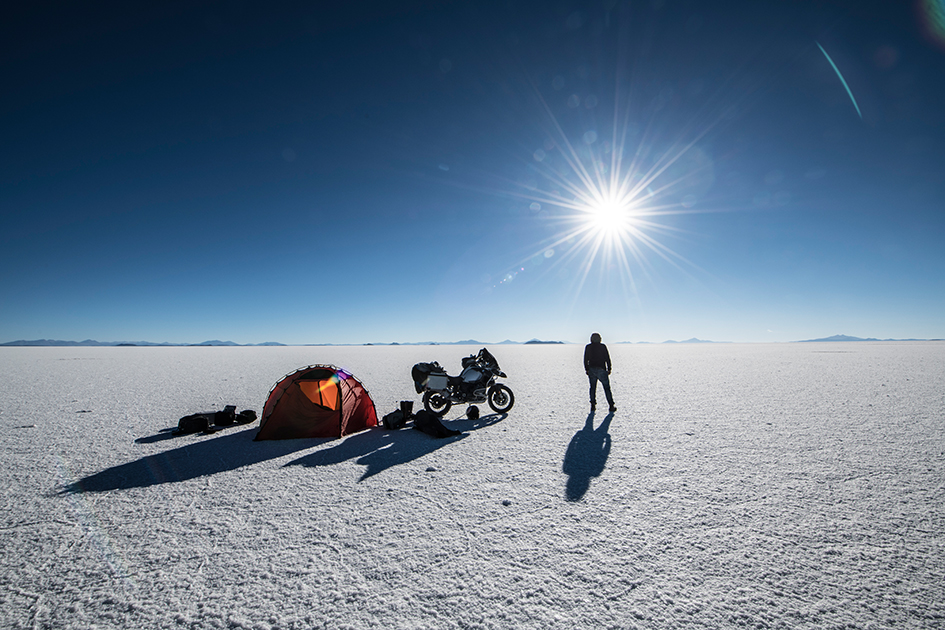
x=600, y=374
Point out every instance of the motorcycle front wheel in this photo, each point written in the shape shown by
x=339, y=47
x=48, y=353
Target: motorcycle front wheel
x=437, y=403
x=501, y=398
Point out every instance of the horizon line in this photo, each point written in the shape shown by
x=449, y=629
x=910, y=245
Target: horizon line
x=44, y=342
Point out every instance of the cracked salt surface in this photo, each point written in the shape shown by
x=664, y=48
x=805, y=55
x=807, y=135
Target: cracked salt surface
x=787, y=485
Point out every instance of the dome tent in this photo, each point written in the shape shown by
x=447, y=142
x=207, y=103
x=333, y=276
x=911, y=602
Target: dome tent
x=316, y=401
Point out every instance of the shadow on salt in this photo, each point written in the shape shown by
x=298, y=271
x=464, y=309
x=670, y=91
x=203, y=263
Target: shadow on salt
x=378, y=449
x=195, y=459
x=586, y=456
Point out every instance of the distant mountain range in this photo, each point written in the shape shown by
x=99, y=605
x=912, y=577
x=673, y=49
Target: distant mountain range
x=693, y=340
x=464, y=342
x=93, y=343
x=824, y=339
x=849, y=338
x=217, y=342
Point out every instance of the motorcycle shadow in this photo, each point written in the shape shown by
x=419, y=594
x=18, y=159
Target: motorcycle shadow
x=463, y=423
x=380, y=449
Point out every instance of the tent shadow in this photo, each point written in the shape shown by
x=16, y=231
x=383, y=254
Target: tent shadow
x=586, y=456
x=379, y=449
x=199, y=458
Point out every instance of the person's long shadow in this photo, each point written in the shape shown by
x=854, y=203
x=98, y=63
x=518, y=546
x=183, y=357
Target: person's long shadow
x=379, y=449
x=586, y=456
x=230, y=451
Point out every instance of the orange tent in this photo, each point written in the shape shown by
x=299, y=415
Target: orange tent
x=316, y=401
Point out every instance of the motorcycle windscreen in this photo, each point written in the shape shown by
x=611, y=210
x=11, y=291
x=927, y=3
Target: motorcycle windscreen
x=487, y=359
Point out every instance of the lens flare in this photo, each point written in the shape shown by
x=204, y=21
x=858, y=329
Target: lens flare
x=932, y=15
x=842, y=80
x=93, y=530
x=604, y=198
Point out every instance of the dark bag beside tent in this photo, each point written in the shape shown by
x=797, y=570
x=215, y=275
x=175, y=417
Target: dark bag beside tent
x=316, y=401
x=194, y=423
x=213, y=421
x=394, y=420
x=429, y=423
x=398, y=419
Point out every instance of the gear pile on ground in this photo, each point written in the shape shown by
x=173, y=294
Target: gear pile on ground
x=425, y=421
x=213, y=421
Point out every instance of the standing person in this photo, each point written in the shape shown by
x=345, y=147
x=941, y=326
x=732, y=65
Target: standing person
x=597, y=367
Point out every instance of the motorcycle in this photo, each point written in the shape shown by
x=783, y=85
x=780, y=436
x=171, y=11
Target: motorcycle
x=475, y=384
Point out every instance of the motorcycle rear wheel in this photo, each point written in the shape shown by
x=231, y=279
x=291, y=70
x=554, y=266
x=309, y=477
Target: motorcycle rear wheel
x=437, y=403
x=501, y=398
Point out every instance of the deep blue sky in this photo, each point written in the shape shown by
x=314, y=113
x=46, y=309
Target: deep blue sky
x=312, y=173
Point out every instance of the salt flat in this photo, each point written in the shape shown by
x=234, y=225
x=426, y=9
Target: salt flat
x=762, y=486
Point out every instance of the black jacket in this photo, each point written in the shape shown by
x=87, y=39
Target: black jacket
x=596, y=356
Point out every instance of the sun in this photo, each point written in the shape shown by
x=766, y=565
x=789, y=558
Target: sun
x=610, y=218
x=604, y=193
x=606, y=209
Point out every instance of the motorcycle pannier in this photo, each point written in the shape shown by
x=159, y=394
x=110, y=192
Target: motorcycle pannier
x=429, y=376
x=437, y=382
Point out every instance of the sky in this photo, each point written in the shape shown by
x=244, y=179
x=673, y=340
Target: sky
x=437, y=171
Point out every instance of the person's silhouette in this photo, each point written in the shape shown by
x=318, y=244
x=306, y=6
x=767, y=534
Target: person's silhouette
x=597, y=366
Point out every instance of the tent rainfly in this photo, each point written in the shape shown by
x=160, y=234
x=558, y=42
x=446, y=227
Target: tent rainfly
x=316, y=401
